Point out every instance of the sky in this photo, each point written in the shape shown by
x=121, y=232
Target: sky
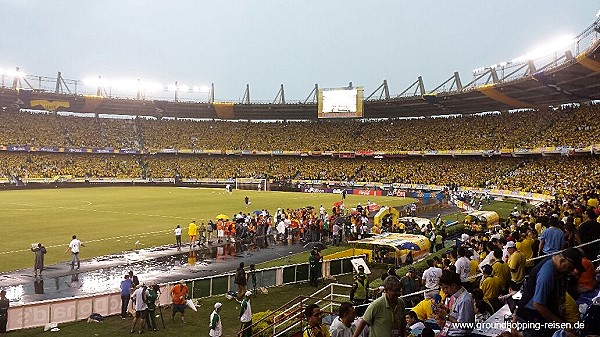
x=266, y=43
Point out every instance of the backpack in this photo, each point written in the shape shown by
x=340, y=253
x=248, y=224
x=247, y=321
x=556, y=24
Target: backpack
x=96, y=317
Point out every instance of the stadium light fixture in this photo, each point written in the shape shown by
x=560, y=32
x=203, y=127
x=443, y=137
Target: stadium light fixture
x=94, y=82
x=124, y=84
x=479, y=71
x=12, y=73
x=560, y=43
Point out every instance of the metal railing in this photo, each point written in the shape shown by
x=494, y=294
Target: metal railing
x=36, y=314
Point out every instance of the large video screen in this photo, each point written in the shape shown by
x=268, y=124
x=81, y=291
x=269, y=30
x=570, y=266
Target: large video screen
x=340, y=102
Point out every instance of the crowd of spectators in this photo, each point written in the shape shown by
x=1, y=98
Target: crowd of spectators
x=546, y=175
x=535, y=251
x=574, y=127
x=528, y=129
x=51, y=165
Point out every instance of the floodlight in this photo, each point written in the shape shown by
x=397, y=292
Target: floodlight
x=151, y=86
x=124, y=84
x=560, y=43
x=93, y=82
x=13, y=73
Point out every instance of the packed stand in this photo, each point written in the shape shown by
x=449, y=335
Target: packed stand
x=49, y=166
x=574, y=127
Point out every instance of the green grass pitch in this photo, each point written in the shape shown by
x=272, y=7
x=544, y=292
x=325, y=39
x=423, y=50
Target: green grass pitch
x=112, y=219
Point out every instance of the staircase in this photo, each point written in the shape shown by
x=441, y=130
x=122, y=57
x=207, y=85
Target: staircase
x=289, y=320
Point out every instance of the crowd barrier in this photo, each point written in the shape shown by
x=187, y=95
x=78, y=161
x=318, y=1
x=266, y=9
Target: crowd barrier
x=38, y=314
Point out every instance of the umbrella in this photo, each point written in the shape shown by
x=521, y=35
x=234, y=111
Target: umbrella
x=338, y=203
x=257, y=212
x=408, y=245
x=222, y=217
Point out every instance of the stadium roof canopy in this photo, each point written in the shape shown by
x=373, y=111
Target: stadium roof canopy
x=572, y=76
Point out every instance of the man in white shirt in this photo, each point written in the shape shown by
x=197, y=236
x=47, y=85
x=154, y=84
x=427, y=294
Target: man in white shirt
x=431, y=275
x=336, y=234
x=74, y=246
x=246, y=316
x=139, y=297
x=343, y=325
x=216, y=329
x=178, y=237
x=463, y=268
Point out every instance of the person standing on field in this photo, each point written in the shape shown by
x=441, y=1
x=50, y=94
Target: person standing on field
x=192, y=232
x=4, y=305
x=246, y=315
x=241, y=280
x=126, y=291
x=179, y=294
x=216, y=329
x=39, y=251
x=178, y=237
x=74, y=246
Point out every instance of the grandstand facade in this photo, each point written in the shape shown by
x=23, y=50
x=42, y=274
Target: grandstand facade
x=565, y=77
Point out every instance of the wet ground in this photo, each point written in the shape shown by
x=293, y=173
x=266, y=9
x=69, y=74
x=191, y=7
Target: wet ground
x=157, y=265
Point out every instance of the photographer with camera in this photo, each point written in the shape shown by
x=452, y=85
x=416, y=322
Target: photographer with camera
x=151, y=303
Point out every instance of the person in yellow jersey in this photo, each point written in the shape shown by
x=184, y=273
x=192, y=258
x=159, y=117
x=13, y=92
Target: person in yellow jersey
x=490, y=285
x=526, y=247
x=593, y=200
x=516, y=263
x=501, y=270
x=473, y=270
x=425, y=308
x=193, y=232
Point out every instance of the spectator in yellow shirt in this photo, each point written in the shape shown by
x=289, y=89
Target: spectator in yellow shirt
x=192, y=232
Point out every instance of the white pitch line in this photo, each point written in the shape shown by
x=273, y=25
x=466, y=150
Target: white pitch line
x=97, y=240
x=104, y=211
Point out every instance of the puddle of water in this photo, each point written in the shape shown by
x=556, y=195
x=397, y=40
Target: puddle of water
x=109, y=278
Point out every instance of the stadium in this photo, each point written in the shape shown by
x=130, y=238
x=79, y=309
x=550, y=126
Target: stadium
x=122, y=171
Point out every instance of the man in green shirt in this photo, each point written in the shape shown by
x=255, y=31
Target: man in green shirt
x=385, y=315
